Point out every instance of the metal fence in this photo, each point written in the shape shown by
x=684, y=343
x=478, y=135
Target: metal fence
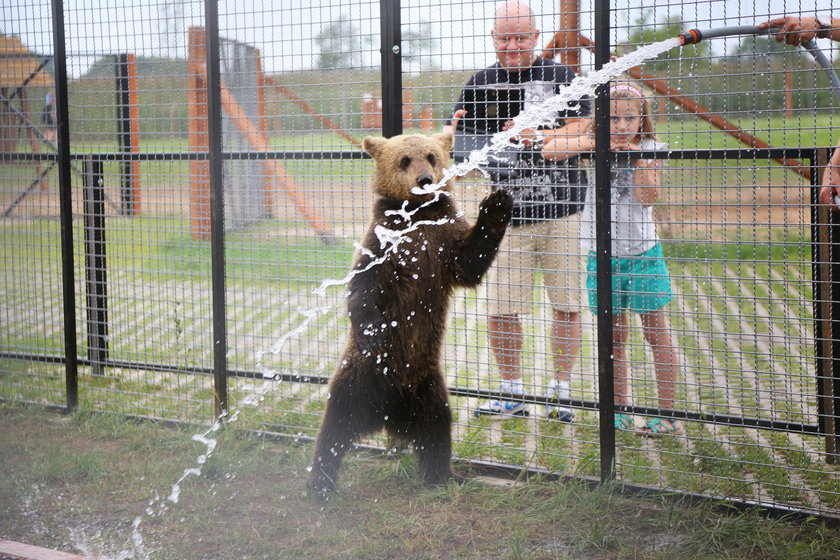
x=122, y=290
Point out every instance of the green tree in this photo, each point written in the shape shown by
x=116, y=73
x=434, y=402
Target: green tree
x=643, y=33
x=339, y=44
x=418, y=44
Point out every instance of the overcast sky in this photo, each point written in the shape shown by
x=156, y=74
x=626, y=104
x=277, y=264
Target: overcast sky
x=284, y=30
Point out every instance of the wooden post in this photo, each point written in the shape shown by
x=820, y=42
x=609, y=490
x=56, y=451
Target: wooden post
x=259, y=142
x=427, y=118
x=128, y=121
x=407, y=112
x=662, y=87
x=788, y=94
x=826, y=251
x=569, y=31
x=34, y=141
x=262, y=124
x=199, y=140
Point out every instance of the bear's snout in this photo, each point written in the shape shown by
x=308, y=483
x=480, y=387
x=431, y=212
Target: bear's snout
x=424, y=180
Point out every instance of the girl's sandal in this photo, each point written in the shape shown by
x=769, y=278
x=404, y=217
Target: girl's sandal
x=660, y=427
x=623, y=422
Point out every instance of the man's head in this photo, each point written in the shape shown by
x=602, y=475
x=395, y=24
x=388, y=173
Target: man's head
x=515, y=35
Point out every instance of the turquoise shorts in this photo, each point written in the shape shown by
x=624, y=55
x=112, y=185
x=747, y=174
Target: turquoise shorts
x=639, y=283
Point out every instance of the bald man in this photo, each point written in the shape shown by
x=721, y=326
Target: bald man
x=548, y=196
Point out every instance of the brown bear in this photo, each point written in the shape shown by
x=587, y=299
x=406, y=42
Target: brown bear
x=418, y=248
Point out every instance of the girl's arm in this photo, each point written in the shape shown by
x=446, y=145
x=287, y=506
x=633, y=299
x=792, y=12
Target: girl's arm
x=559, y=146
x=646, y=177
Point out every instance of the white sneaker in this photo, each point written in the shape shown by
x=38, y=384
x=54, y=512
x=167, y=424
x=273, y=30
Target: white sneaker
x=558, y=389
x=497, y=407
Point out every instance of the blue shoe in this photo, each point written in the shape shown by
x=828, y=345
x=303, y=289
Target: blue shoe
x=505, y=408
x=557, y=412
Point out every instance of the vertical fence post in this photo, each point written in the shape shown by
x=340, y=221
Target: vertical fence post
x=128, y=134
x=825, y=255
x=65, y=206
x=603, y=247
x=391, y=53
x=96, y=278
x=217, y=207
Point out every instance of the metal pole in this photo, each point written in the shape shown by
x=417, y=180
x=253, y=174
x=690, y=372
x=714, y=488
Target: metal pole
x=603, y=247
x=66, y=207
x=391, y=53
x=96, y=270
x=826, y=268
x=217, y=208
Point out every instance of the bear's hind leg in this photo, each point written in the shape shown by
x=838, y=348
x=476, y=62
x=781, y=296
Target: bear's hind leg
x=345, y=420
x=432, y=436
x=334, y=439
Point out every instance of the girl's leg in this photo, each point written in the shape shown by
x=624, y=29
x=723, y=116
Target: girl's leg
x=658, y=335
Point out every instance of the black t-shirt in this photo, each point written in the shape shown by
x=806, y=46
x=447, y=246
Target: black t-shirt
x=47, y=115
x=541, y=189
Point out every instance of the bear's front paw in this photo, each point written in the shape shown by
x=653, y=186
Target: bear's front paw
x=371, y=340
x=495, y=211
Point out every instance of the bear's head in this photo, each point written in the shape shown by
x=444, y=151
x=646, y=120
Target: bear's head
x=407, y=161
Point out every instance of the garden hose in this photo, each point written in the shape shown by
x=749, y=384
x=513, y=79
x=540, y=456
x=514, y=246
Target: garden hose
x=694, y=36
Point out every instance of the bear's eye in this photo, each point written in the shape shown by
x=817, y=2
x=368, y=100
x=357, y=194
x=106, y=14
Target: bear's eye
x=431, y=158
x=405, y=162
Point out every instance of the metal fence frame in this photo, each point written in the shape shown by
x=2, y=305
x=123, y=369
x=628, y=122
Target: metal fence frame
x=825, y=254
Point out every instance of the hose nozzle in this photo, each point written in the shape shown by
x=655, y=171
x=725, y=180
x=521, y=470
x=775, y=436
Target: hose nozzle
x=690, y=37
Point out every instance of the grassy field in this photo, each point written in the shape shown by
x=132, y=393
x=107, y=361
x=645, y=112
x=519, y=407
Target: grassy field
x=108, y=487
x=743, y=320
x=758, y=294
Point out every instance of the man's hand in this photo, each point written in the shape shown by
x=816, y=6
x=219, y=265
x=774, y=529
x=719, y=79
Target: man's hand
x=831, y=186
x=793, y=30
x=453, y=123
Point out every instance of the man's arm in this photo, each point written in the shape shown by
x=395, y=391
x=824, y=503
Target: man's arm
x=831, y=179
x=797, y=30
x=452, y=125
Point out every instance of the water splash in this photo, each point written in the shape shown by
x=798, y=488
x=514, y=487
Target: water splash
x=543, y=113
x=536, y=115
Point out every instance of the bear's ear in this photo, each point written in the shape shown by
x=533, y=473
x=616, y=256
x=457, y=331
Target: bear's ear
x=446, y=140
x=373, y=145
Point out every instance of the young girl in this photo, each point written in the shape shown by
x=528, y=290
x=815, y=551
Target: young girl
x=640, y=278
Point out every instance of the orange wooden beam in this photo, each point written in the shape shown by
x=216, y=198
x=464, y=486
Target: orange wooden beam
x=287, y=93
x=259, y=142
x=134, y=132
x=199, y=140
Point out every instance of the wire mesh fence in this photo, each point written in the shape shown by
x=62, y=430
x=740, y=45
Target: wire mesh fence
x=116, y=296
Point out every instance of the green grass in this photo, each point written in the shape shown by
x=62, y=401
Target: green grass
x=802, y=130
x=82, y=480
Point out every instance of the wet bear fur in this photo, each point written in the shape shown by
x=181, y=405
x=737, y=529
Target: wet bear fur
x=390, y=375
